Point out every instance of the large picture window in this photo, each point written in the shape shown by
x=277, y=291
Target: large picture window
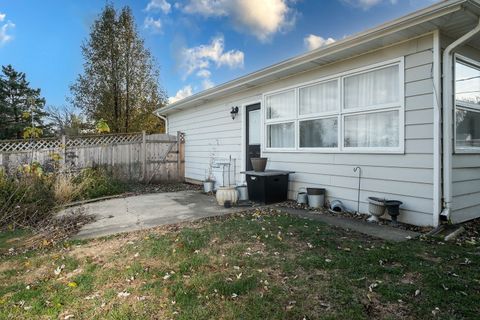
x=467, y=105
x=357, y=111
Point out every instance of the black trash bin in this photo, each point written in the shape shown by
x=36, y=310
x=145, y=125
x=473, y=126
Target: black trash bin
x=267, y=187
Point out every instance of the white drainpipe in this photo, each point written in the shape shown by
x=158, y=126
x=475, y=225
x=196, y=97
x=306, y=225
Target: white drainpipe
x=448, y=108
x=165, y=120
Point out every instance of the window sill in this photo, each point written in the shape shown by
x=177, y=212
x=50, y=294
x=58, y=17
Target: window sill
x=335, y=151
x=467, y=151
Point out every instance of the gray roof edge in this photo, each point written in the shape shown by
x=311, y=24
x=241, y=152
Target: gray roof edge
x=430, y=12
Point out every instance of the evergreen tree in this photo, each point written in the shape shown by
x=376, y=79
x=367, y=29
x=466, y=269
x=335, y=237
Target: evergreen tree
x=20, y=106
x=119, y=82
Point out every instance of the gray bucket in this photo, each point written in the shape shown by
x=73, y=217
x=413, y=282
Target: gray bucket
x=316, y=197
x=242, y=193
x=302, y=197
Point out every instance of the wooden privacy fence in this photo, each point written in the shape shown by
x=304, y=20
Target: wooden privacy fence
x=133, y=156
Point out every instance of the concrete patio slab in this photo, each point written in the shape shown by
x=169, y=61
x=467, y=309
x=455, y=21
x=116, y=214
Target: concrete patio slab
x=146, y=211
x=371, y=229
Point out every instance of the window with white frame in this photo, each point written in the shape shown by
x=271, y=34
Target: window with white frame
x=467, y=105
x=360, y=110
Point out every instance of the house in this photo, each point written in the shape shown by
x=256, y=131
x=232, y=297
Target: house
x=401, y=101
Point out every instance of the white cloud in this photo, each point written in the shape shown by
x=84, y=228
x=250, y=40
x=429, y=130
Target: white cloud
x=313, y=42
x=201, y=57
x=207, y=8
x=181, y=94
x=204, y=73
x=261, y=18
x=366, y=4
x=152, y=24
x=156, y=5
x=4, y=36
x=207, y=84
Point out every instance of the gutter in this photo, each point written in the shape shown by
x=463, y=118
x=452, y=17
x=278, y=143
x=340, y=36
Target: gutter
x=448, y=108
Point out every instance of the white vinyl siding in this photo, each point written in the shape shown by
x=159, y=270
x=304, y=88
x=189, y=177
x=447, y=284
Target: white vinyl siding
x=406, y=176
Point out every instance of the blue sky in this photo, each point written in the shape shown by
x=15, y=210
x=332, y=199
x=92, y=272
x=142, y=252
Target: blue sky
x=197, y=43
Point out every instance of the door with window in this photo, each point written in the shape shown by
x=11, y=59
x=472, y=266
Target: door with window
x=253, y=130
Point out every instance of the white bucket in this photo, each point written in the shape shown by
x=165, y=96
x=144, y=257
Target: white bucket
x=316, y=201
x=242, y=193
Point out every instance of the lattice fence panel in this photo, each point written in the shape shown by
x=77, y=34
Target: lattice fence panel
x=27, y=145
x=102, y=140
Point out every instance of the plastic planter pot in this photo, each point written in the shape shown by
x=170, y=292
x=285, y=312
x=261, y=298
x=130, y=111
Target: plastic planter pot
x=316, y=197
x=259, y=164
x=302, y=197
x=229, y=194
x=208, y=186
x=393, y=209
x=242, y=193
x=376, y=208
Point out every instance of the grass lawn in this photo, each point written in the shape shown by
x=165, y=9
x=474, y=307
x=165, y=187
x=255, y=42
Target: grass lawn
x=249, y=266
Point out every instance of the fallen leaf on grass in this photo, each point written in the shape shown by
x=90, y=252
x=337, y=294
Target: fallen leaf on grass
x=123, y=294
x=59, y=269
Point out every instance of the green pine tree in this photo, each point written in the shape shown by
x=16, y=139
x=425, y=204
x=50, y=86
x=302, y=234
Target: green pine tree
x=20, y=105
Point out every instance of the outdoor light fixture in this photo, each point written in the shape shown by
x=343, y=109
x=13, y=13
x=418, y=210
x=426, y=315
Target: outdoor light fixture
x=234, y=112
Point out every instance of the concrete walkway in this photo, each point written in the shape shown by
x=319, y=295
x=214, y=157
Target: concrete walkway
x=371, y=229
x=146, y=211
x=151, y=210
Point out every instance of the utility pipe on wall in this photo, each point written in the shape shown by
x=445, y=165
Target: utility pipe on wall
x=448, y=108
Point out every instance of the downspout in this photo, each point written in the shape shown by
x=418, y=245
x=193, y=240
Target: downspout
x=448, y=108
x=165, y=120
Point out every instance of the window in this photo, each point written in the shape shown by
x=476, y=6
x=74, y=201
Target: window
x=468, y=128
x=319, y=98
x=254, y=127
x=281, y=135
x=319, y=133
x=467, y=102
x=372, y=130
x=373, y=88
x=280, y=105
x=358, y=111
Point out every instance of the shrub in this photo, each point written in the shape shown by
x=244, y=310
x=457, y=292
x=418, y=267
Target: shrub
x=96, y=183
x=25, y=200
x=32, y=196
x=65, y=188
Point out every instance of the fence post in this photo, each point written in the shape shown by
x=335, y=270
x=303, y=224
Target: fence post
x=144, y=155
x=63, y=155
x=181, y=156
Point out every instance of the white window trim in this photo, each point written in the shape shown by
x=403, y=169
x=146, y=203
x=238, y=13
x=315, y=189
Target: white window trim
x=340, y=113
x=463, y=105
